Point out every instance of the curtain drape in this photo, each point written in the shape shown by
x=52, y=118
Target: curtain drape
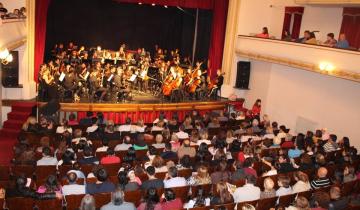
x=40, y=34
x=350, y=26
x=297, y=12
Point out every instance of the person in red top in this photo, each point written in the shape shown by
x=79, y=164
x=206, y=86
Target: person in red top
x=110, y=158
x=170, y=200
x=256, y=109
x=264, y=34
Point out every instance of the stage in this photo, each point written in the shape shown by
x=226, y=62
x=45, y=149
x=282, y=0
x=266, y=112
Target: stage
x=143, y=107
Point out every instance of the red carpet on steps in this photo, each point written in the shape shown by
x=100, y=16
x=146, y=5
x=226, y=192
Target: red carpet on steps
x=11, y=128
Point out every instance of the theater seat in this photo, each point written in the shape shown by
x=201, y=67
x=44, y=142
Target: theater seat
x=20, y=203
x=73, y=201
x=286, y=200
x=227, y=206
x=266, y=204
x=241, y=204
x=53, y=204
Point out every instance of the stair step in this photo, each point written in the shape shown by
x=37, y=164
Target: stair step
x=13, y=124
x=23, y=106
x=18, y=116
x=9, y=133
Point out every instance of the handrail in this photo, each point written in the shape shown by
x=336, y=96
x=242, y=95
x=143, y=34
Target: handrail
x=11, y=20
x=320, y=47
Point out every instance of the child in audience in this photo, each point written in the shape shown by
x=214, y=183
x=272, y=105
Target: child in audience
x=269, y=191
x=284, y=186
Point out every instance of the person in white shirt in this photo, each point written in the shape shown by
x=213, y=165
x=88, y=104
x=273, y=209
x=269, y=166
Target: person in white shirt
x=284, y=186
x=248, y=192
x=47, y=159
x=302, y=182
x=125, y=145
x=203, y=137
x=161, y=118
x=104, y=147
x=172, y=179
x=159, y=144
x=64, y=127
x=139, y=127
x=181, y=134
x=72, y=188
x=126, y=127
x=93, y=127
x=158, y=127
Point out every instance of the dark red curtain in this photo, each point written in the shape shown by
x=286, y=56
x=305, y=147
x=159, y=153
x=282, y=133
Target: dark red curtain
x=350, y=26
x=289, y=12
x=40, y=34
x=218, y=28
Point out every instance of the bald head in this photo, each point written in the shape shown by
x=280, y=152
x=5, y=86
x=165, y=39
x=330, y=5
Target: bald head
x=322, y=172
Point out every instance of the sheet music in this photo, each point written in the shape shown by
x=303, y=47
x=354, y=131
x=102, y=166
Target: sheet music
x=133, y=77
x=110, y=78
x=62, y=76
x=86, y=75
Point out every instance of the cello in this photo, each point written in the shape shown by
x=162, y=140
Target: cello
x=167, y=86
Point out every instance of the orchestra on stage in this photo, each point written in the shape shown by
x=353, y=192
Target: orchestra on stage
x=100, y=75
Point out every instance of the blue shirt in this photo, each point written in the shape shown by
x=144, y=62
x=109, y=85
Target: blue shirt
x=294, y=153
x=344, y=44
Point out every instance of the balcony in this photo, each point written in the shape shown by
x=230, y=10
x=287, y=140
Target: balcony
x=345, y=63
x=12, y=31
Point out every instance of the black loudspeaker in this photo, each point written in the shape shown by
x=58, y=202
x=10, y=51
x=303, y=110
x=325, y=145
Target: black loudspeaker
x=10, y=71
x=243, y=75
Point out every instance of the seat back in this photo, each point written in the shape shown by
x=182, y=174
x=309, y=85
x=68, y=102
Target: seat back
x=20, y=203
x=286, y=200
x=133, y=197
x=73, y=201
x=42, y=172
x=241, y=204
x=102, y=199
x=53, y=204
x=267, y=203
x=229, y=206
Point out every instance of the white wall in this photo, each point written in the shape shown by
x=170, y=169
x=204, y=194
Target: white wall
x=10, y=5
x=323, y=19
x=255, y=14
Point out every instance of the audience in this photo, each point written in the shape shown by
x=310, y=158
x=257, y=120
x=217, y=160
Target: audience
x=269, y=191
x=302, y=182
x=342, y=43
x=284, y=186
x=173, y=180
x=87, y=203
x=47, y=159
x=152, y=181
x=73, y=188
x=330, y=40
x=322, y=180
x=264, y=33
x=248, y=192
x=171, y=201
x=102, y=184
x=118, y=202
x=221, y=194
x=111, y=158
x=151, y=201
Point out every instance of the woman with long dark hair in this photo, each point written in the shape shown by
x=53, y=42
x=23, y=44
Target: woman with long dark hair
x=151, y=201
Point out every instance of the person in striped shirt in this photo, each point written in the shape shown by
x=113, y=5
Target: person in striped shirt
x=322, y=180
x=331, y=144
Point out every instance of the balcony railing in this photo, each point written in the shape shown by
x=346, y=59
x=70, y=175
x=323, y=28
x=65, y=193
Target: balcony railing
x=11, y=31
x=346, y=63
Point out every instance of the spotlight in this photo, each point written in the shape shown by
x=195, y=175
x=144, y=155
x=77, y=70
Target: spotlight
x=140, y=3
x=5, y=56
x=153, y=4
x=326, y=66
x=165, y=6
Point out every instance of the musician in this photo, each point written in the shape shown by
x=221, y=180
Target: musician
x=69, y=82
x=47, y=85
x=96, y=84
x=219, y=81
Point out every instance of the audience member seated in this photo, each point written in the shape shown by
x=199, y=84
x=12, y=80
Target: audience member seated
x=47, y=159
x=125, y=145
x=171, y=201
x=249, y=167
x=264, y=33
x=129, y=182
x=201, y=177
x=203, y=137
x=152, y=181
x=30, y=125
x=102, y=185
x=64, y=127
x=73, y=188
x=44, y=142
x=295, y=152
x=305, y=37
x=349, y=174
x=221, y=173
x=140, y=143
x=301, y=203
x=22, y=189
x=173, y=180
x=94, y=126
x=330, y=40
x=186, y=149
x=181, y=134
x=322, y=180
x=110, y=133
x=104, y=147
x=302, y=182
x=51, y=185
x=336, y=201
x=269, y=191
x=248, y=192
x=284, y=186
x=221, y=194
x=284, y=166
x=159, y=164
x=159, y=144
x=117, y=202
x=87, y=203
x=342, y=43
x=88, y=157
x=320, y=200
x=168, y=153
x=331, y=144
x=126, y=127
x=311, y=39
x=151, y=201
x=111, y=158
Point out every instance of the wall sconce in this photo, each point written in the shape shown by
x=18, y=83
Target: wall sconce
x=326, y=66
x=5, y=57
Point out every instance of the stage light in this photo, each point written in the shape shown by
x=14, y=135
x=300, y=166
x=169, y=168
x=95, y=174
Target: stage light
x=166, y=6
x=326, y=66
x=140, y=3
x=5, y=56
x=153, y=4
